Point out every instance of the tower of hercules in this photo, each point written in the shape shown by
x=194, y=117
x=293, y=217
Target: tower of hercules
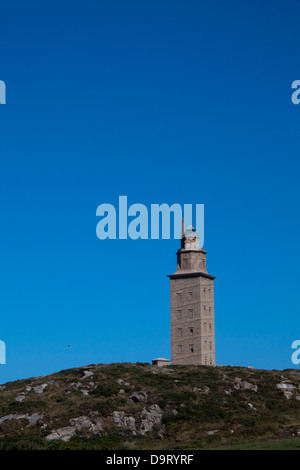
x=192, y=305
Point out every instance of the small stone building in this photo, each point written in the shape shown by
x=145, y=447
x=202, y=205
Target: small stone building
x=160, y=362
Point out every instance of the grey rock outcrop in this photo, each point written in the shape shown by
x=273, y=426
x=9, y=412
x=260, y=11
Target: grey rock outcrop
x=21, y=397
x=32, y=419
x=205, y=390
x=87, y=373
x=251, y=406
x=287, y=388
x=40, y=388
x=122, y=420
x=212, y=433
x=149, y=418
x=240, y=384
x=82, y=423
x=139, y=397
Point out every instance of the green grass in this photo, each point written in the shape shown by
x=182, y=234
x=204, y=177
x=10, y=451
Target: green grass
x=282, y=444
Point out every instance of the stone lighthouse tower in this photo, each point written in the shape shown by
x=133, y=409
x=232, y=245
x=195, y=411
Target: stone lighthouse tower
x=192, y=305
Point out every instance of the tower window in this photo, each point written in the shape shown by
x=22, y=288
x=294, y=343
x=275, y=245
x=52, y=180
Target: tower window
x=179, y=314
x=190, y=294
x=191, y=312
x=191, y=331
x=191, y=348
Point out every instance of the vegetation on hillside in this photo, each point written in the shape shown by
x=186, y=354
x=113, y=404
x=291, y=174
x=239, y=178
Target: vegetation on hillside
x=139, y=406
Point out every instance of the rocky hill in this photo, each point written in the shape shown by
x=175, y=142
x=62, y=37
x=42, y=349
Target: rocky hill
x=140, y=406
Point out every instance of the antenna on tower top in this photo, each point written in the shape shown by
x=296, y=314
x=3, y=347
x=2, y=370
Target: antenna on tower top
x=182, y=228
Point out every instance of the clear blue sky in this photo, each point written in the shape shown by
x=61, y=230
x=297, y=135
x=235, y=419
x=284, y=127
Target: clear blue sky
x=162, y=101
